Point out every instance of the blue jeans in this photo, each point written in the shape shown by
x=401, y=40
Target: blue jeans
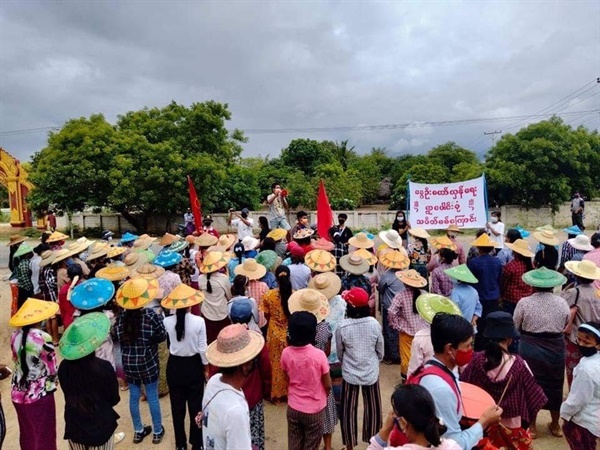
x=279, y=222
x=135, y=393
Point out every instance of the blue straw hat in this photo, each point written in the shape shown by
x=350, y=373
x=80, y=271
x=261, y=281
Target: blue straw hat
x=574, y=230
x=167, y=259
x=92, y=293
x=129, y=237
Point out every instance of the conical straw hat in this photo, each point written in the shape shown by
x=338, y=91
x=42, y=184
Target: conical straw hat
x=395, y=260
x=137, y=292
x=33, y=311
x=320, y=261
x=182, y=296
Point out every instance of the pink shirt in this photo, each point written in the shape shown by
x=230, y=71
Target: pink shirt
x=594, y=256
x=305, y=366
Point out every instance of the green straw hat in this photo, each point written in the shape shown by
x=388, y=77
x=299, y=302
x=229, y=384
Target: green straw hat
x=461, y=273
x=267, y=258
x=544, y=278
x=428, y=305
x=23, y=250
x=84, y=336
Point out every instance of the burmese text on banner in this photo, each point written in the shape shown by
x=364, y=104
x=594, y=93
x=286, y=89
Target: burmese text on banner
x=435, y=206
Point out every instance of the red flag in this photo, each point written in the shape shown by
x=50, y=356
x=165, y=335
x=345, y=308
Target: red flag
x=324, y=213
x=195, y=205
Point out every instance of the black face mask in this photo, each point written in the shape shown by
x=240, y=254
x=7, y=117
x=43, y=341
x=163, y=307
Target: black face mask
x=244, y=215
x=587, y=351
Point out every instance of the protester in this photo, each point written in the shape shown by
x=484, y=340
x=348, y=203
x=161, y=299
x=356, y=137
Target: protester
x=187, y=368
x=495, y=229
x=473, y=253
x=303, y=239
x=581, y=246
x=299, y=272
x=67, y=310
x=188, y=219
x=279, y=236
x=488, y=271
x=278, y=206
x=250, y=244
x=5, y=372
x=577, y=209
x=452, y=339
x=452, y=233
x=217, y=292
x=263, y=224
x=302, y=223
x=508, y=380
x=34, y=380
x=547, y=256
x=360, y=349
x=255, y=288
x=307, y=371
x=541, y=319
x=207, y=227
x=505, y=254
x=464, y=294
x=345, y=233
x=22, y=256
x=441, y=283
x=390, y=286
x=243, y=223
x=401, y=225
x=439, y=244
x=403, y=315
x=567, y=251
x=418, y=251
x=51, y=218
x=13, y=245
x=413, y=409
x=585, y=307
x=89, y=384
x=339, y=250
x=168, y=261
x=277, y=312
x=355, y=269
x=513, y=288
x=581, y=409
x=258, y=384
x=184, y=267
x=594, y=255
x=225, y=416
x=139, y=331
x=270, y=261
x=239, y=300
x=34, y=266
x=238, y=252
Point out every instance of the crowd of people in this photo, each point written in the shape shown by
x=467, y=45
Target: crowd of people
x=223, y=323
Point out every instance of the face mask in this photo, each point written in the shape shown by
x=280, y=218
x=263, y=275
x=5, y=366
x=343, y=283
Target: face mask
x=342, y=221
x=464, y=357
x=244, y=215
x=587, y=351
x=400, y=217
x=451, y=235
x=494, y=219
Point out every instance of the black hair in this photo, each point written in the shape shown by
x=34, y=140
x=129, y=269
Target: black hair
x=480, y=232
x=357, y=312
x=300, y=215
x=485, y=250
x=132, y=322
x=23, y=357
x=525, y=259
x=302, y=329
x=41, y=248
x=415, y=404
x=498, y=214
x=424, y=242
x=448, y=255
x=449, y=329
x=493, y=354
x=208, y=285
x=416, y=293
x=238, y=287
x=274, y=185
x=180, y=323
x=74, y=270
x=297, y=259
x=513, y=234
x=45, y=236
x=595, y=325
x=84, y=373
x=285, y=287
x=343, y=216
x=263, y=222
x=595, y=240
x=268, y=243
x=239, y=251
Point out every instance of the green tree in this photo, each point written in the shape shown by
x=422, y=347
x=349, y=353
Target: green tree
x=306, y=154
x=369, y=175
x=343, y=154
x=344, y=188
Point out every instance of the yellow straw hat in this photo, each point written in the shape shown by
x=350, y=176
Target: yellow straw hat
x=584, y=269
x=320, y=261
x=47, y=258
x=411, y=278
x=395, y=260
x=277, y=234
x=115, y=251
x=137, y=292
x=134, y=261
x=419, y=232
x=361, y=240
x=327, y=283
x=521, y=247
x=366, y=255
x=143, y=243
x=98, y=250
x=484, y=241
x=61, y=255
x=148, y=271
x=168, y=239
x=443, y=242
x=56, y=237
x=33, y=311
x=214, y=261
x=206, y=240
x=182, y=296
x=113, y=272
x=545, y=237
x=453, y=227
x=251, y=269
x=224, y=243
x=16, y=239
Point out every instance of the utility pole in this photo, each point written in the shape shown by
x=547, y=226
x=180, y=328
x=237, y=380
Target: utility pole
x=492, y=135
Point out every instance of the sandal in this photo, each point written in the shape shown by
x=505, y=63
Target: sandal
x=556, y=432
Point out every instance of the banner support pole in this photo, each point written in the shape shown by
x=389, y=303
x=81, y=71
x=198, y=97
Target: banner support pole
x=408, y=198
x=485, y=195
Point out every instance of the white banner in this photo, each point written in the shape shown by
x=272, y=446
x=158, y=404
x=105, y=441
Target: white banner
x=435, y=206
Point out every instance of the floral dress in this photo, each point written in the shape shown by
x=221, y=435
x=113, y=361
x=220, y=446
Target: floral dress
x=276, y=341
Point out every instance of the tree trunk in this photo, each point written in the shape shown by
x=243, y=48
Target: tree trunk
x=136, y=220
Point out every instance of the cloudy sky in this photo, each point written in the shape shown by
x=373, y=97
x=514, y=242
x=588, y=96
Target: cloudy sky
x=302, y=64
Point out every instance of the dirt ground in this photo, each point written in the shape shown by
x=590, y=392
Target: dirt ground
x=276, y=424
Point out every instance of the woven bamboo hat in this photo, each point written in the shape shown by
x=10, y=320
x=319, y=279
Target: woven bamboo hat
x=453, y=227
x=367, y=255
x=168, y=239
x=303, y=233
x=411, y=278
x=581, y=242
x=391, y=238
x=60, y=255
x=15, y=239
x=277, y=234
x=544, y=278
x=167, y=258
x=545, y=237
x=521, y=247
x=320, y=261
x=137, y=292
x=323, y=244
x=234, y=346
x=267, y=258
x=143, y=243
x=134, y=261
x=113, y=252
x=250, y=243
x=47, y=258
x=309, y=300
x=484, y=241
x=182, y=296
x=113, y=272
x=33, y=311
x=443, y=242
x=84, y=336
x=354, y=264
x=461, y=273
x=251, y=269
x=428, y=305
x=361, y=241
x=23, y=250
x=395, y=260
x=327, y=283
x=419, y=232
x=584, y=269
x=98, y=250
x=92, y=293
x=148, y=271
x=206, y=240
x=57, y=236
x=214, y=261
x=224, y=243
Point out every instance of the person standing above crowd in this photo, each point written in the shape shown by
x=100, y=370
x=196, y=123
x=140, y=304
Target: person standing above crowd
x=278, y=206
x=243, y=223
x=577, y=209
x=495, y=229
x=401, y=225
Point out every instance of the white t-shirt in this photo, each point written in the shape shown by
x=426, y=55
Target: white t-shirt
x=226, y=419
x=194, y=338
x=243, y=230
x=34, y=265
x=498, y=227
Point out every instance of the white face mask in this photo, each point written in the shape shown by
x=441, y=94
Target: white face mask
x=494, y=219
x=400, y=217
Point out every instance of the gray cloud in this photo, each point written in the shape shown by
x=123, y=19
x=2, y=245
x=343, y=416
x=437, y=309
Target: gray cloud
x=298, y=64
